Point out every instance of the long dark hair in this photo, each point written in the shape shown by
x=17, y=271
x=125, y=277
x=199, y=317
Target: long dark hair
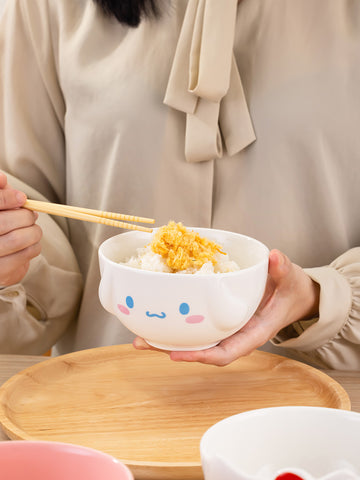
x=129, y=12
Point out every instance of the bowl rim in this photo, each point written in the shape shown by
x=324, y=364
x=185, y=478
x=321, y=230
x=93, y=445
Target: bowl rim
x=122, y=266
x=68, y=447
x=257, y=412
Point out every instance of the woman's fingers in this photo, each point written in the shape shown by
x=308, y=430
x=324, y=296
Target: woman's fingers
x=13, y=219
x=290, y=295
x=140, y=344
x=19, y=235
x=14, y=267
x=279, y=265
x=17, y=248
x=254, y=334
x=3, y=180
x=226, y=352
x=10, y=199
x=19, y=239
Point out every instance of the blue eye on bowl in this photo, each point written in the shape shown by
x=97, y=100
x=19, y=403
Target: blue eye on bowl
x=184, y=308
x=129, y=302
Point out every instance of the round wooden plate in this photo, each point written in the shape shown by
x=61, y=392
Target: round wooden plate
x=147, y=410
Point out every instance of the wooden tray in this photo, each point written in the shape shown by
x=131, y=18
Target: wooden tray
x=147, y=410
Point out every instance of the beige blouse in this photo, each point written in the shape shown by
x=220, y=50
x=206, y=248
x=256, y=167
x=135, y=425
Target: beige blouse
x=242, y=117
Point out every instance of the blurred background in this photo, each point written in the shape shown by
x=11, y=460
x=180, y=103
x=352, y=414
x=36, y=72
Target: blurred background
x=2, y=3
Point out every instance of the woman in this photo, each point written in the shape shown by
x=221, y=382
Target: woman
x=239, y=116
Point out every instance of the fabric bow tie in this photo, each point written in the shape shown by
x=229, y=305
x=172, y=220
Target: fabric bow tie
x=205, y=84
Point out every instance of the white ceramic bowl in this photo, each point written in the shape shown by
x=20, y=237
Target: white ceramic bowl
x=183, y=311
x=311, y=442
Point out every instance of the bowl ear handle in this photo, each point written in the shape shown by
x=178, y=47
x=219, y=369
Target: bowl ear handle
x=106, y=290
x=105, y=296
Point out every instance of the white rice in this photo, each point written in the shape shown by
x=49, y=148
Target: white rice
x=146, y=259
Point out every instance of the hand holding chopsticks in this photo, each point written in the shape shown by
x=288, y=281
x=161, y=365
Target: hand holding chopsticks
x=97, y=216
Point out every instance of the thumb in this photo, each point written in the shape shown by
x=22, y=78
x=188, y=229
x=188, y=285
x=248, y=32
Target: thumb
x=279, y=265
x=3, y=180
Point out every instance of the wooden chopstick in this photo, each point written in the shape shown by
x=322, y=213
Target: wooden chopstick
x=89, y=215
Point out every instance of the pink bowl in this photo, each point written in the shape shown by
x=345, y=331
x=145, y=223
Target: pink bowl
x=41, y=460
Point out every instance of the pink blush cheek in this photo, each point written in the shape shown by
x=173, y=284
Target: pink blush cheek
x=194, y=319
x=123, y=309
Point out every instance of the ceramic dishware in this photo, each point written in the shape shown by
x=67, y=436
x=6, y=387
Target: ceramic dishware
x=42, y=460
x=177, y=311
x=283, y=443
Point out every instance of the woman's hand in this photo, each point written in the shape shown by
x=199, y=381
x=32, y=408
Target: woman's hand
x=19, y=236
x=290, y=295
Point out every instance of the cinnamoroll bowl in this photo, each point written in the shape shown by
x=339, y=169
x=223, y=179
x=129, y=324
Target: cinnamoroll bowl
x=178, y=311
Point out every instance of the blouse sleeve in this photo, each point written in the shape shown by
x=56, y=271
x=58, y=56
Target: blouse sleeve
x=36, y=312
x=333, y=339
